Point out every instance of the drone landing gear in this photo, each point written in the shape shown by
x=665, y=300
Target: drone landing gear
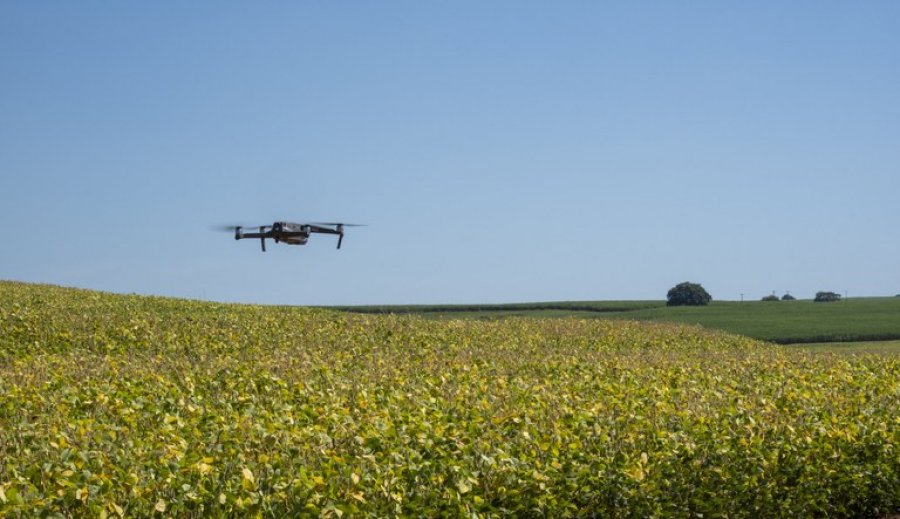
x=340, y=232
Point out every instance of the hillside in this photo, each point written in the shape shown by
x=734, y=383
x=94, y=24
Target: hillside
x=117, y=405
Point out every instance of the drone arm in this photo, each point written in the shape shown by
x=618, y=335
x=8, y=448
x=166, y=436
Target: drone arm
x=252, y=235
x=262, y=235
x=325, y=230
x=339, y=230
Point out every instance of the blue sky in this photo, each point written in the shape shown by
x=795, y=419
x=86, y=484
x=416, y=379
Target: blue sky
x=498, y=151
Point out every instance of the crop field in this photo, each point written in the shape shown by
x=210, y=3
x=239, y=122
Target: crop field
x=784, y=322
x=883, y=347
x=116, y=405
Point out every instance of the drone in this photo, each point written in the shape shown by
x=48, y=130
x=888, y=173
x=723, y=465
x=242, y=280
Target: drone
x=290, y=232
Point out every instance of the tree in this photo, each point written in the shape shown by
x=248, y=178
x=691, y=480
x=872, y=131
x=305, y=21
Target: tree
x=771, y=297
x=827, y=297
x=788, y=297
x=688, y=294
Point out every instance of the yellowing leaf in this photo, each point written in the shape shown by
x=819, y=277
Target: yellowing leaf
x=636, y=473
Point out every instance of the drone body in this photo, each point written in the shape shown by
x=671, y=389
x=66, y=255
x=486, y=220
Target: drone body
x=290, y=232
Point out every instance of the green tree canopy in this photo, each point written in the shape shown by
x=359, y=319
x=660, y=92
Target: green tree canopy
x=827, y=297
x=688, y=294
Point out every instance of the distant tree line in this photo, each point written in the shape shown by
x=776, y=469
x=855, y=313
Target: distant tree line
x=827, y=297
x=693, y=294
x=785, y=297
x=821, y=297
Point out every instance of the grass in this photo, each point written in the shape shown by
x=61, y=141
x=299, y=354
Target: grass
x=783, y=322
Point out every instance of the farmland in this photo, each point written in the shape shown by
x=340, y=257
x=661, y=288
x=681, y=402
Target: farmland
x=115, y=405
x=785, y=322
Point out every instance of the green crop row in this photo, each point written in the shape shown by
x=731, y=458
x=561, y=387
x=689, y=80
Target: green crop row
x=786, y=322
x=136, y=406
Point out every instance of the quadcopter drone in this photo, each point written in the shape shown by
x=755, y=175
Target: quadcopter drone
x=290, y=232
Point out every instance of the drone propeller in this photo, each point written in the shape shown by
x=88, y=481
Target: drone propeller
x=339, y=224
x=226, y=228
x=339, y=227
x=232, y=228
x=236, y=229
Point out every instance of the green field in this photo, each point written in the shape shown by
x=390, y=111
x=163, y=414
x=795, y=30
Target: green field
x=881, y=347
x=785, y=322
x=119, y=406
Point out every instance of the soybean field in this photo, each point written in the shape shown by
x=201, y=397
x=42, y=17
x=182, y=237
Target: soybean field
x=115, y=406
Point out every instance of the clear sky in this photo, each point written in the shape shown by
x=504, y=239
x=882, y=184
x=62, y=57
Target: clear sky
x=498, y=151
